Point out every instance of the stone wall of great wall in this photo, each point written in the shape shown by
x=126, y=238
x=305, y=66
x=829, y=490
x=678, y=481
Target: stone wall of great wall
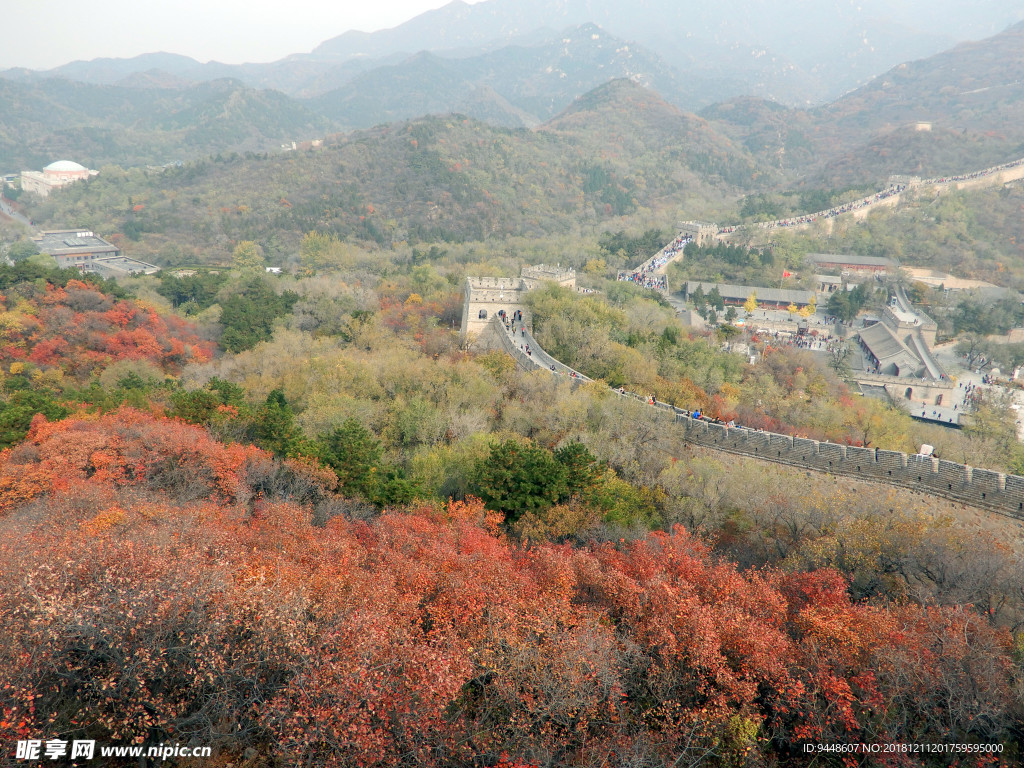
x=486, y=297
x=538, y=361
x=983, y=488
x=892, y=196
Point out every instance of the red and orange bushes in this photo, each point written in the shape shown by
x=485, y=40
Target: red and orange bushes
x=20, y=484
x=156, y=585
x=426, y=322
x=125, y=448
x=78, y=329
x=132, y=641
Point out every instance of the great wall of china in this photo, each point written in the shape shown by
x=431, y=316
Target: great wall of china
x=891, y=196
x=704, y=232
x=994, y=491
x=983, y=488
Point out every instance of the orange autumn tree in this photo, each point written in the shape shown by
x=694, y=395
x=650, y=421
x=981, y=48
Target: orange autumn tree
x=157, y=585
x=77, y=329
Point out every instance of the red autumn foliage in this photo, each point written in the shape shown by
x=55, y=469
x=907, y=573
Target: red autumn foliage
x=426, y=322
x=78, y=329
x=157, y=586
x=127, y=448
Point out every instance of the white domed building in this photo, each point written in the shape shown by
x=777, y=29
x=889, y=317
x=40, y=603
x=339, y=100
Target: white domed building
x=54, y=175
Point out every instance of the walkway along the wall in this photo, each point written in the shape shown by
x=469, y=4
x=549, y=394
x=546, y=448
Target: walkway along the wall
x=889, y=197
x=994, y=491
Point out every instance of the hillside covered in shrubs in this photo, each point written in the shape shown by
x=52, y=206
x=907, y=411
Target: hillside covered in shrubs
x=160, y=586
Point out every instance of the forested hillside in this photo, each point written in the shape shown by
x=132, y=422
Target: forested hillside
x=49, y=119
x=969, y=98
x=373, y=546
x=354, y=543
x=68, y=343
x=856, y=142
x=621, y=152
x=129, y=113
x=192, y=582
x=536, y=82
x=295, y=516
x=788, y=51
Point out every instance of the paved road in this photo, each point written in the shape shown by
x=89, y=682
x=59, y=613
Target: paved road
x=9, y=212
x=964, y=376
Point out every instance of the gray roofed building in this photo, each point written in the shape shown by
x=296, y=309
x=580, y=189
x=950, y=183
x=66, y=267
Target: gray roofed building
x=738, y=294
x=850, y=262
x=119, y=266
x=828, y=283
x=74, y=247
x=890, y=355
x=903, y=317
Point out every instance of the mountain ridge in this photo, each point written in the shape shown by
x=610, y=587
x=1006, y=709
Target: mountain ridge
x=537, y=81
x=970, y=96
x=833, y=48
x=102, y=124
x=442, y=179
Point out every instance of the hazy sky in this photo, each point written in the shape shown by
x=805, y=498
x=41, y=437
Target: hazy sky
x=40, y=34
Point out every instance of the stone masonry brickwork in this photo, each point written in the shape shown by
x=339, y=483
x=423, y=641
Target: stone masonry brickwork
x=538, y=360
x=983, y=488
x=485, y=297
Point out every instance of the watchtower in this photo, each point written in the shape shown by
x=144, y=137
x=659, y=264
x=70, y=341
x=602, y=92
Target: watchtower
x=543, y=273
x=486, y=297
x=900, y=180
x=701, y=231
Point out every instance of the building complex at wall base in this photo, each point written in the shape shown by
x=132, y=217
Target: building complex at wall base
x=74, y=247
x=88, y=252
x=54, y=176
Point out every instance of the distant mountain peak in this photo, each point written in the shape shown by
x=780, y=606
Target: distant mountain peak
x=615, y=94
x=155, y=78
x=108, y=71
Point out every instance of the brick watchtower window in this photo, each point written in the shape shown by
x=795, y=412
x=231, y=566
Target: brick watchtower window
x=483, y=314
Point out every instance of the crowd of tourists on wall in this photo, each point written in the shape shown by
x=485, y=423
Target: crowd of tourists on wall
x=645, y=276
x=511, y=320
x=975, y=175
x=823, y=342
x=654, y=282
x=828, y=213
x=893, y=189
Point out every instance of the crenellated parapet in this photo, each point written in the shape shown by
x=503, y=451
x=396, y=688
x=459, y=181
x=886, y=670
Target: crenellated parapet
x=983, y=488
x=534, y=277
x=487, y=297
